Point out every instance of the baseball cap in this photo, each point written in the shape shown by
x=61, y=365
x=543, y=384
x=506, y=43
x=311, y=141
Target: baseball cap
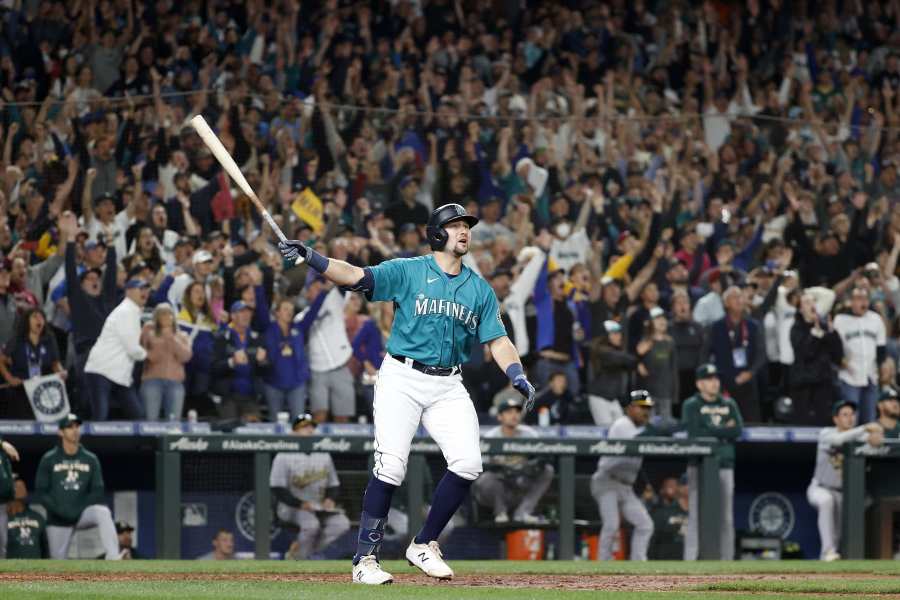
x=611, y=326
x=656, y=311
x=122, y=526
x=239, y=305
x=888, y=393
x=91, y=244
x=304, y=419
x=136, y=283
x=201, y=256
x=69, y=420
x=509, y=403
x=104, y=197
x=837, y=406
x=640, y=398
x=707, y=371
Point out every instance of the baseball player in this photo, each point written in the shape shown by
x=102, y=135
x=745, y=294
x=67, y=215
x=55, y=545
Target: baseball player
x=305, y=486
x=7, y=488
x=612, y=485
x=513, y=477
x=27, y=528
x=889, y=412
x=825, y=489
x=440, y=307
x=708, y=414
x=69, y=484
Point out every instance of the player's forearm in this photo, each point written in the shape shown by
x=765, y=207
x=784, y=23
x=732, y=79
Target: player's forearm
x=504, y=352
x=342, y=273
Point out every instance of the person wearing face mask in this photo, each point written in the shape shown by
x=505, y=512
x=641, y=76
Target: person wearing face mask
x=570, y=243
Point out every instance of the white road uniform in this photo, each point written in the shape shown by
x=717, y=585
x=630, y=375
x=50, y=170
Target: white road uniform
x=306, y=477
x=612, y=486
x=825, y=490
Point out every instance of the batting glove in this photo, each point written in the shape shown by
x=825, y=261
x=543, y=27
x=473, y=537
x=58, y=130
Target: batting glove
x=524, y=387
x=293, y=249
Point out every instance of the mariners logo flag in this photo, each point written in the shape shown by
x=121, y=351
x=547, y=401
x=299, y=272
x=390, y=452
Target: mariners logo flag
x=48, y=399
x=308, y=207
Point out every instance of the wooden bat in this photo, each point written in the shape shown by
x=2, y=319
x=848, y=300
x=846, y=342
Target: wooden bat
x=215, y=146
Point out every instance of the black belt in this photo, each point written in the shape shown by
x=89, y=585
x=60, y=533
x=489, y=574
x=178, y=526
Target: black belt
x=427, y=369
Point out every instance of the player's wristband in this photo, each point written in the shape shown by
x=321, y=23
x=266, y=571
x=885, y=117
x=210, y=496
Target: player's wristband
x=514, y=370
x=316, y=260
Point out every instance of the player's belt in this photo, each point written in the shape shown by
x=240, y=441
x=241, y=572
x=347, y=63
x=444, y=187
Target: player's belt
x=427, y=369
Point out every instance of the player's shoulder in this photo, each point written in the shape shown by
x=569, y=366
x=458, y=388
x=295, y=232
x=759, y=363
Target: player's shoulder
x=493, y=432
x=85, y=453
x=410, y=262
x=475, y=279
x=527, y=431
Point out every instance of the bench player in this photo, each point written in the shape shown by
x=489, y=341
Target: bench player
x=440, y=307
x=825, y=491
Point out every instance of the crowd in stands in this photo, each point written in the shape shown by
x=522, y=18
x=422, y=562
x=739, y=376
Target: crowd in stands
x=660, y=184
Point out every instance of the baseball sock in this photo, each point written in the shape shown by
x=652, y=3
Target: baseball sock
x=450, y=492
x=376, y=504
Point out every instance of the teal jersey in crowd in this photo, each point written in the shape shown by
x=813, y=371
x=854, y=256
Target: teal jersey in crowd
x=435, y=315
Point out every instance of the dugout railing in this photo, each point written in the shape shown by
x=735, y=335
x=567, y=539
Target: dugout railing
x=262, y=448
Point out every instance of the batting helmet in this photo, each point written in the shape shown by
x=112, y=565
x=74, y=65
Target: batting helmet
x=437, y=235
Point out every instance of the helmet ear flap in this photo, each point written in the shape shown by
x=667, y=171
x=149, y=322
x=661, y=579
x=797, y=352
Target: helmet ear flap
x=437, y=237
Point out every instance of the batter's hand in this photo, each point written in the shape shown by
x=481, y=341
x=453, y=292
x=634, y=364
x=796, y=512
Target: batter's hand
x=524, y=387
x=292, y=250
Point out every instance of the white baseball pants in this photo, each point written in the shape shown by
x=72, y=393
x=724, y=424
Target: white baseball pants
x=828, y=503
x=315, y=535
x=96, y=515
x=404, y=398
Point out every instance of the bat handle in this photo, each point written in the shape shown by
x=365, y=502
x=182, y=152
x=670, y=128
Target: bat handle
x=278, y=233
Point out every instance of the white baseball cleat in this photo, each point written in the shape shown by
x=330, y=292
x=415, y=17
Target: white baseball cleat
x=501, y=517
x=369, y=572
x=428, y=557
x=831, y=556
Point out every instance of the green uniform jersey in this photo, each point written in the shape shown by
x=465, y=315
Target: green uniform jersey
x=893, y=433
x=669, y=526
x=67, y=484
x=719, y=418
x=7, y=484
x=27, y=536
x=436, y=316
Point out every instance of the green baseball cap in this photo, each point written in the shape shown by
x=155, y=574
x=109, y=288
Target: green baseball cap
x=837, y=406
x=69, y=420
x=707, y=371
x=888, y=393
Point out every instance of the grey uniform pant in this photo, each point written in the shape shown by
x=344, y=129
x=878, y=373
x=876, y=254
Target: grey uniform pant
x=333, y=391
x=828, y=502
x=726, y=530
x=315, y=534
x=96, y=515
x=491, y=489
x=616, y=500
x=4, y=521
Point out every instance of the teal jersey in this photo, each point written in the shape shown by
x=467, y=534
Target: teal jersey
x=436, y=316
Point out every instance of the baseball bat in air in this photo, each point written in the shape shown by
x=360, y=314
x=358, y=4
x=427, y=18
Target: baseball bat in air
x=215, y=146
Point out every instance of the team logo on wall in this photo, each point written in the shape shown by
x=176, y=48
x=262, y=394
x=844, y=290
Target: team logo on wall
x=245, y=518
x=48, y=398
x=772, y=514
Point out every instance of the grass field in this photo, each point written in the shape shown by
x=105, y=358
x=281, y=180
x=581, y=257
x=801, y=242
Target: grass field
x=265, y=580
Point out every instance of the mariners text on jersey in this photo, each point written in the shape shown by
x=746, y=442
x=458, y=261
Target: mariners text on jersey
x=431, y=306
x=436, y=316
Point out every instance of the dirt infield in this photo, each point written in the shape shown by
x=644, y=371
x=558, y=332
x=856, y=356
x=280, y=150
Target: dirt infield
x=621, y=583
